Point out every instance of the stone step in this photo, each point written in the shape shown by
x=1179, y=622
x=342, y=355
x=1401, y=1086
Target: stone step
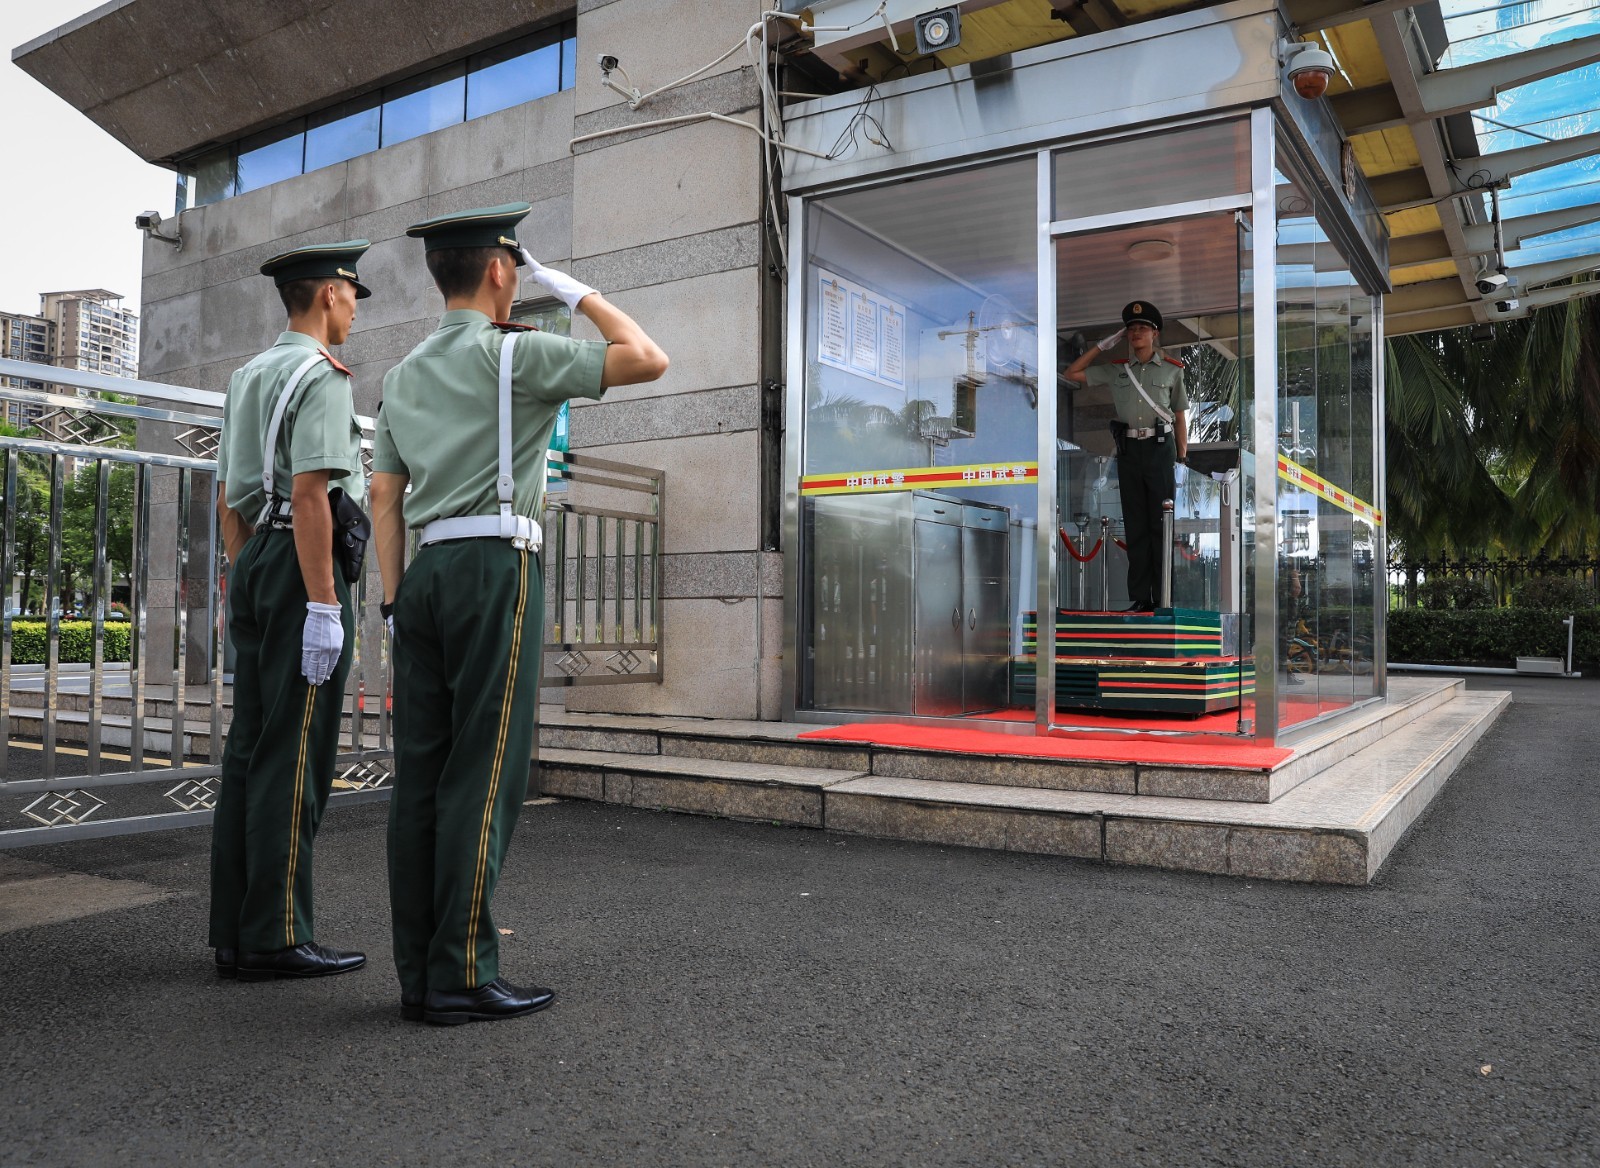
x=734, y=790
x=1337, y=827
x=779, y=744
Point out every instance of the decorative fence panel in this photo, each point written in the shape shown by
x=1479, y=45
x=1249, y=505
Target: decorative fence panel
x=116, y=693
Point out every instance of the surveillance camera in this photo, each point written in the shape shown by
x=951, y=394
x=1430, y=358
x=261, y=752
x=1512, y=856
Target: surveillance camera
x=1508, y=305
x=1310, y=70
x=1490, y=281
x=147, y=220
x=608, y=62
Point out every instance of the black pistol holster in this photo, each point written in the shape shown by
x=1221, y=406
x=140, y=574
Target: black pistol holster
x=351, y=531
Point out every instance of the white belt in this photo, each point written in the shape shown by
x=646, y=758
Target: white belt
x=1150, y=432
x=524, y=533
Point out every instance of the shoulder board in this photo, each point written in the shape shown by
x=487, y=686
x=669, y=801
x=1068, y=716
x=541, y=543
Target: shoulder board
x=1173, y=361
x=334, y=361
x=507, y=326
x=1119, y=362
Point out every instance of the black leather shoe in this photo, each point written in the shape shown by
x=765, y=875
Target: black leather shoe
x=308, y=960
x=227, y=963
x=411, y=1008
x=488, y=1003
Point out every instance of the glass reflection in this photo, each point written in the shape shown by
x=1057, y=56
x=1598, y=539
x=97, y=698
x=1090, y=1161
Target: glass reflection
x=512, y=75
x=342, y=133
x=424, y=105
x=271, y=157
x=919, y=487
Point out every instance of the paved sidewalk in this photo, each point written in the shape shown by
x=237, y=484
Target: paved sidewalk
x=738, y=994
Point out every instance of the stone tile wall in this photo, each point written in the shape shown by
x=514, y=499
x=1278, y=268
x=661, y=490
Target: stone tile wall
x=665, y=221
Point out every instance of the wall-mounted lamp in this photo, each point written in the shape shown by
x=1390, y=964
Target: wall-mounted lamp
x=938, y=30
x=149, y=221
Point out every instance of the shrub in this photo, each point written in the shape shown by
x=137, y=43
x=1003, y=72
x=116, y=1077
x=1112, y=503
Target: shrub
x=1554, y=592
x=28, y=642
x=1457, y=592
x=1491, y=637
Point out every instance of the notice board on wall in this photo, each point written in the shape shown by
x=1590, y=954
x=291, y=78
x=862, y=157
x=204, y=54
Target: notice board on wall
x=860, y=331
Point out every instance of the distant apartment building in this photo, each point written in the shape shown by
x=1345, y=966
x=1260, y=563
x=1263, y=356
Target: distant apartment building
x=87, y=329
x=94, y=333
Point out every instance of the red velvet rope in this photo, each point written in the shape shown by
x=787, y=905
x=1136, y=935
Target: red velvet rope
x=1073, y=551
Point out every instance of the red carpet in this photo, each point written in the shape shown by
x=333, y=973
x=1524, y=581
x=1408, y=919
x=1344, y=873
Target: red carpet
x=1096, y=748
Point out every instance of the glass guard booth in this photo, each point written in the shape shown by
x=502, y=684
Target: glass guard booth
x=946, y=483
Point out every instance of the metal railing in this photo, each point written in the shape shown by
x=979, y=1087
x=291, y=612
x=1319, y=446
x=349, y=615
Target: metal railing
x=147, y=732
x=1482, y=581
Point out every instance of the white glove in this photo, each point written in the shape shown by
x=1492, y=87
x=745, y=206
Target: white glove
x=321, y=642
x=1110, y=342
x=558, y=284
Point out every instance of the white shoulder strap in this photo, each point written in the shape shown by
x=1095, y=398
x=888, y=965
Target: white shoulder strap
x=505, y=485
x=1133, y=377
x=277, y=420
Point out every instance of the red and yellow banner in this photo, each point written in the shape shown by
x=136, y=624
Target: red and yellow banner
x=1311, y=481
x=917, y=478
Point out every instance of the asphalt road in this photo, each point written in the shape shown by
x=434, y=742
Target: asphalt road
x=740, y=994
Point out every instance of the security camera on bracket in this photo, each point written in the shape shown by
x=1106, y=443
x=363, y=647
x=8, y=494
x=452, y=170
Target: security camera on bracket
x=149, y=222
x=1309, y=66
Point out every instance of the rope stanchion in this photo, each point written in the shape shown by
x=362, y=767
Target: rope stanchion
x=1073, y=551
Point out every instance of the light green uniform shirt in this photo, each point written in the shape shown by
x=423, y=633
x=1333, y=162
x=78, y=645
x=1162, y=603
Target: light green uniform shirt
x=1161, y=377
x=439, y=422
x=319, y=430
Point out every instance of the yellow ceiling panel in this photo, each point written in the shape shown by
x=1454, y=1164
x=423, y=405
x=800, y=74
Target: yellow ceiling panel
x=1355, y=47
x=1417, y=275
x=1414, y=221
x=1386, y=151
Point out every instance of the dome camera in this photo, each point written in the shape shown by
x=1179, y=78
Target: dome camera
x=1489, y=282
x=1310, y=70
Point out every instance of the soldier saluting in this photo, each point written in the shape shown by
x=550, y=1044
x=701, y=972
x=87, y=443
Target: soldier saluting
x=1152, y=433
x=289, y=435
x=466, y=421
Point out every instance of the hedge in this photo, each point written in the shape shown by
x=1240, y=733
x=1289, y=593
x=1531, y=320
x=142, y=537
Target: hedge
x=1490, y=637
x=28, y=641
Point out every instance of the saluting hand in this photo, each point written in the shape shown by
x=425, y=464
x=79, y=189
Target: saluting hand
x=321, y=642
x=1108, y=343
x=558, y=284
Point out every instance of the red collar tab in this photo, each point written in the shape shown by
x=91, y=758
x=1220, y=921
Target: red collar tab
x=334, y=361
x=508, y=326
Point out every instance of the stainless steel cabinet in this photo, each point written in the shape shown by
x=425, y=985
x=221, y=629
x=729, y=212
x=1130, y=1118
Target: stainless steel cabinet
x=909, y=606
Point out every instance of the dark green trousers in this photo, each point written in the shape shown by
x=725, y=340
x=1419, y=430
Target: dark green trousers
x=1145, y=475
x=277, y=767
x=468, y=623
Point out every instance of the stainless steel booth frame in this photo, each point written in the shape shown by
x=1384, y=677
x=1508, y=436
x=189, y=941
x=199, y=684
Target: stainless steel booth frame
x=1270, y=116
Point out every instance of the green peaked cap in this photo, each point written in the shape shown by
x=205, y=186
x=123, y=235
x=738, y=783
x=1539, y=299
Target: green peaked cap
x=320, y=261
x=479, y=227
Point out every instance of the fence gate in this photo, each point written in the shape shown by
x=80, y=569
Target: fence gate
x=114, y=666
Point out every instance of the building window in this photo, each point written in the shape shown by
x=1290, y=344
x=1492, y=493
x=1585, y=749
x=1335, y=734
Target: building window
x=341, y=133
x=426, y=104
x=512, y=74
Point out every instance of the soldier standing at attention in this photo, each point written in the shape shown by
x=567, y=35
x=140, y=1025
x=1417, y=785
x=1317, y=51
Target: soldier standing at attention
x=466, y=420
x=289, y=433
x=1152, y=433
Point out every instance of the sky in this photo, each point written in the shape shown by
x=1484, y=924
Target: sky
x=69, y=214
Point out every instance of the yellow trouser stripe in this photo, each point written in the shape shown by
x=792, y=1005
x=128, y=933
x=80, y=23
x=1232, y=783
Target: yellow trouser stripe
x=494, y=777
x=296, y=815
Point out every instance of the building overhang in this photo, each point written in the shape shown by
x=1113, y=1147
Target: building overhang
x=167, y=78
